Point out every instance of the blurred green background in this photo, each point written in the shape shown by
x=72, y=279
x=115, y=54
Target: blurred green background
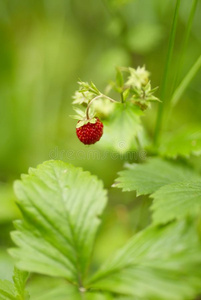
x=45, y=47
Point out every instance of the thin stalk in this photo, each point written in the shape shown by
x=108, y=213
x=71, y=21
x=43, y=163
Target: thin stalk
x=122, y=98
x=166, y=75
x=97, y=97
x=185, y=42
x=82, y=292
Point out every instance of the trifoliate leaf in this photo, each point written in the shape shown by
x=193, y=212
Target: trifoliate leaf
x=14, y=290
x=158, y=263
x=183, y=142
x=122, y=128
x=176, y=200
x=61, y=206
x=148, y=177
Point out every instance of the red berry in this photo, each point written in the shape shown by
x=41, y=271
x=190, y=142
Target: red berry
x=90, y=133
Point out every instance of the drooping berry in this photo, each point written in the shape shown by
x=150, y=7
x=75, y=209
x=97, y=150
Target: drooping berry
x=91, y=132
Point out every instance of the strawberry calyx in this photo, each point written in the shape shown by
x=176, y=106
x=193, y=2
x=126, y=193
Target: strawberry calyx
x=86, y=121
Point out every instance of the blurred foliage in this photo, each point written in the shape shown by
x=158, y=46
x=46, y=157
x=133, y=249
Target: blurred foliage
x=46, y=45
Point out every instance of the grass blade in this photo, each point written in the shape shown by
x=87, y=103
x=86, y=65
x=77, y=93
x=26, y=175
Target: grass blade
x=185, y=42
x=166, y=74
x=185, y=82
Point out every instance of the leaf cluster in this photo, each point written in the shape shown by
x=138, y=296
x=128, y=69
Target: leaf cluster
x=62, y=207
x=134, y=88
x=175, y=188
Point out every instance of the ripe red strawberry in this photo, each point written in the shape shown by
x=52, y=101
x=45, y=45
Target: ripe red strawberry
x=91, y=132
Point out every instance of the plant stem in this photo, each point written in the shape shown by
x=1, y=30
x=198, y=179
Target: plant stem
x=122, y=98
x=166, y=75
x=185, y=43
x=97, y=97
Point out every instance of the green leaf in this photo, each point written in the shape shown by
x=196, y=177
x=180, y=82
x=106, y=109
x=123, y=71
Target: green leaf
x=122, y=128
x=158, y=263
x=126, y=93
x=14, y=290
x=119, y=78
x=20, y=279
x=183, y=142
x=99, y=296
x=148, y=177
x=61, y=206
x=52, y=288
x=176, y=200
x=7, y=290
x=94, y=89
x=8, y=210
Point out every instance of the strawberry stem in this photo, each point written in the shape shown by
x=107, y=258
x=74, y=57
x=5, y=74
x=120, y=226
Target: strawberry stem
x=96, y=98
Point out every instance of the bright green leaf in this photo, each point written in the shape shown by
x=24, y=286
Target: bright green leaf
x=20, y=279
x=183, y=142
x=14, y=290
x=158, y=263
x=7, y=290
x=99, y=296
x=122, y=128
x=52, y=288
x=176, y=200
x=61, y=206
x=119, y=78
x=148, y=177
x=8, y=210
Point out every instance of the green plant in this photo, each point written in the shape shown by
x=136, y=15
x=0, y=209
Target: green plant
x=62, y=206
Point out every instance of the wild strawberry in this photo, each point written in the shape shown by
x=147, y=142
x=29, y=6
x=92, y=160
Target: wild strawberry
x=89, y=132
